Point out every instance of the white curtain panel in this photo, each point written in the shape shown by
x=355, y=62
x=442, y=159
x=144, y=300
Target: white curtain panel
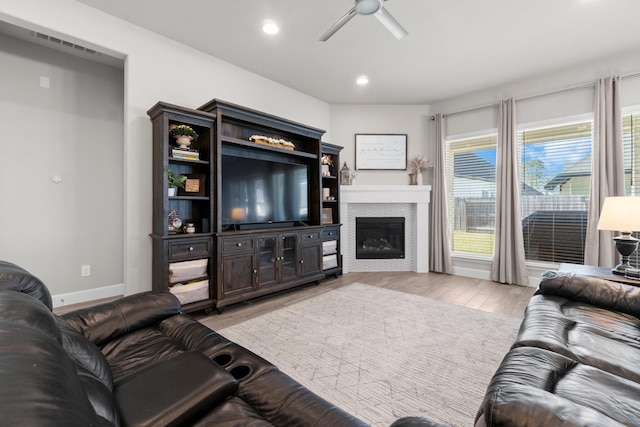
x=509, y=265
x=607, y=169
x=440, y=253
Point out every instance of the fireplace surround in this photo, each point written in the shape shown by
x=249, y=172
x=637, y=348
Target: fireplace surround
x=408, y=201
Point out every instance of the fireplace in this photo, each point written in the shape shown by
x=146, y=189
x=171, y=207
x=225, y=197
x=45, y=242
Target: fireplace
x=379, y=237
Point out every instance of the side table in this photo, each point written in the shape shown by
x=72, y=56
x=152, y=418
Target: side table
x=593, y=271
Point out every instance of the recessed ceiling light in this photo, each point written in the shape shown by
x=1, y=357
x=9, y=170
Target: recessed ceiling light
x=362, y=80
x=270, y=27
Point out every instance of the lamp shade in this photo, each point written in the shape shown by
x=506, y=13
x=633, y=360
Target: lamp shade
x=620, y=214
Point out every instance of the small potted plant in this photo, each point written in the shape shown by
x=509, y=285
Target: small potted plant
x=175, y=182
x=326, y=161
x=183, y=134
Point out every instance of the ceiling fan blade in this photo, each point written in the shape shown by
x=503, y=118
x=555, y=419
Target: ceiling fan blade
x=335, y=27
x=390, y=22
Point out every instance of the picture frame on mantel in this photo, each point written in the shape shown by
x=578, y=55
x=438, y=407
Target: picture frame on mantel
x=381, y=151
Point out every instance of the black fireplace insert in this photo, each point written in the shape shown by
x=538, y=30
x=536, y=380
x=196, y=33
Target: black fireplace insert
x=379, y=237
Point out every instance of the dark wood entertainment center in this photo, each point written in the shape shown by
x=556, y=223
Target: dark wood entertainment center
x=233, y=251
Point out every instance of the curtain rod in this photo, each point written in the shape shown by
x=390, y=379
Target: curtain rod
x=538, y=95
x=481, y=107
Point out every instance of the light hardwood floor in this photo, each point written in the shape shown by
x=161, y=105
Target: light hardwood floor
x=474, y=293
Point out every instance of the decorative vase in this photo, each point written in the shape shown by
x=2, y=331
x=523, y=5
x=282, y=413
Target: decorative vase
x=171, y=191
x=184, y=141
x=325, y=170
x=418, y=178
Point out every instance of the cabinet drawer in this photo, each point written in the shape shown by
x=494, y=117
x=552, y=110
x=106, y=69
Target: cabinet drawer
x=310, y=237
x=189, y=249
x=237, y=244
x=331, y=233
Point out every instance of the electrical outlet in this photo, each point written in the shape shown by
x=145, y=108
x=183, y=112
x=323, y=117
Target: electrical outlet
x=85, y=270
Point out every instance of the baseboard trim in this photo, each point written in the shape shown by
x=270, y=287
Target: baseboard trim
x=78, y=297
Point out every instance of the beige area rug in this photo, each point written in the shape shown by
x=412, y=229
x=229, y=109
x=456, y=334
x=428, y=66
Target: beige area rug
x=381, y=354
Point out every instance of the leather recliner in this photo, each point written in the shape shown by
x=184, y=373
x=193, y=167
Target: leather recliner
x=576, y=360
x=136, y=361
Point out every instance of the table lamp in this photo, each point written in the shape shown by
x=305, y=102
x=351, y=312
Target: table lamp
x=621, y=214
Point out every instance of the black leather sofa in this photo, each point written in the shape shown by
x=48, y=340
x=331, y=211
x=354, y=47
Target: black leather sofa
x=576, y=360
x=136, y=361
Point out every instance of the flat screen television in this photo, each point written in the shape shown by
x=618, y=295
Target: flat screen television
x=260, y=192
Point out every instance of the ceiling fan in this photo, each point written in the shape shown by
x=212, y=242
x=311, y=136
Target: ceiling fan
x=368, y=7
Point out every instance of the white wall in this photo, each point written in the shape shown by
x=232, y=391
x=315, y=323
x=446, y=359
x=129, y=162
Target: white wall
x=156, y=69
x=61, y=116
x=348, y=120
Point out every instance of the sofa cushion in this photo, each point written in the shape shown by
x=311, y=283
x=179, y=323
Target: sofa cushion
x=605, y=339
x=138, y=350
x=535, y=387
x=105, y=322
x=174, y=392
x=14, y=278
x=85, y=353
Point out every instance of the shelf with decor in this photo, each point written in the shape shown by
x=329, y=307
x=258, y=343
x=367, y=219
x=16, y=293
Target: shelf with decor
x=182, y=234
x=330, y=163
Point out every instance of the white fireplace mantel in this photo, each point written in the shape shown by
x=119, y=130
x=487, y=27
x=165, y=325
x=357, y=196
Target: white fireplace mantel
x=416, y=196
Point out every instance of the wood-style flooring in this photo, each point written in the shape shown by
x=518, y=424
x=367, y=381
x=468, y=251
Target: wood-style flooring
x=474, y=293
x=479, y=294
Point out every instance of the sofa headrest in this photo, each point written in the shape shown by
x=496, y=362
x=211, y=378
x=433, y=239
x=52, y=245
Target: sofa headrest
x=14, y=278
x=19, y=308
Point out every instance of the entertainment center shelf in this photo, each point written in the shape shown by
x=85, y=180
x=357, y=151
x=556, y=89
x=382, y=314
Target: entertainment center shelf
x=252, y=145
x=252, y=219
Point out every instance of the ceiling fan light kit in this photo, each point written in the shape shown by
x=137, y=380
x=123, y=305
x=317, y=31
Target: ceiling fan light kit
x=368, y=7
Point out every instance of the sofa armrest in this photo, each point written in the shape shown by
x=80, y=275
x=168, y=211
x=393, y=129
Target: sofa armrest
x=104, y=322
x=592, y=290
x=174, y=392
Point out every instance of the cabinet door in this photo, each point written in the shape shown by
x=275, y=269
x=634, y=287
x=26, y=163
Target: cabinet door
x=267, y=260
x=238, y=273
x=310, y=259
x=288, y=260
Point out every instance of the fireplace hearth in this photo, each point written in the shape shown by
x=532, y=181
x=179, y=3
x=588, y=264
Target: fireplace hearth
x=380, y=237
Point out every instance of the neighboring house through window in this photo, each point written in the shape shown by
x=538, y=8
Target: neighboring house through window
x=555, y=168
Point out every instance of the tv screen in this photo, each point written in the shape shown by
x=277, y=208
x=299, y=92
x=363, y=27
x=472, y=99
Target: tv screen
x=261, y=191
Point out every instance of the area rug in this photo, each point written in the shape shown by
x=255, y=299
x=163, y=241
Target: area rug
x=381, y=354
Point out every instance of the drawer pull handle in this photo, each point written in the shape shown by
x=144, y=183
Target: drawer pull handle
x=301, y=261
x=330, y=234
x=191, y=248
x=311, y=236
x=239, y=244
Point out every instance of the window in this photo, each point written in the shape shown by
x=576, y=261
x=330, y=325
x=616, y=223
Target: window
x=555, y=176
x=472, y=194
x=631, y=143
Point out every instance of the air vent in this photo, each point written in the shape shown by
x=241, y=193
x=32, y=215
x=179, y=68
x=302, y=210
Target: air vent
x=64, y=43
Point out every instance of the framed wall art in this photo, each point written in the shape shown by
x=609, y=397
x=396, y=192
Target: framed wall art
x=381, y=151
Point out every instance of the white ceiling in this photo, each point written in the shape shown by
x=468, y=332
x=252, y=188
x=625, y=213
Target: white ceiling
x=453, y=46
